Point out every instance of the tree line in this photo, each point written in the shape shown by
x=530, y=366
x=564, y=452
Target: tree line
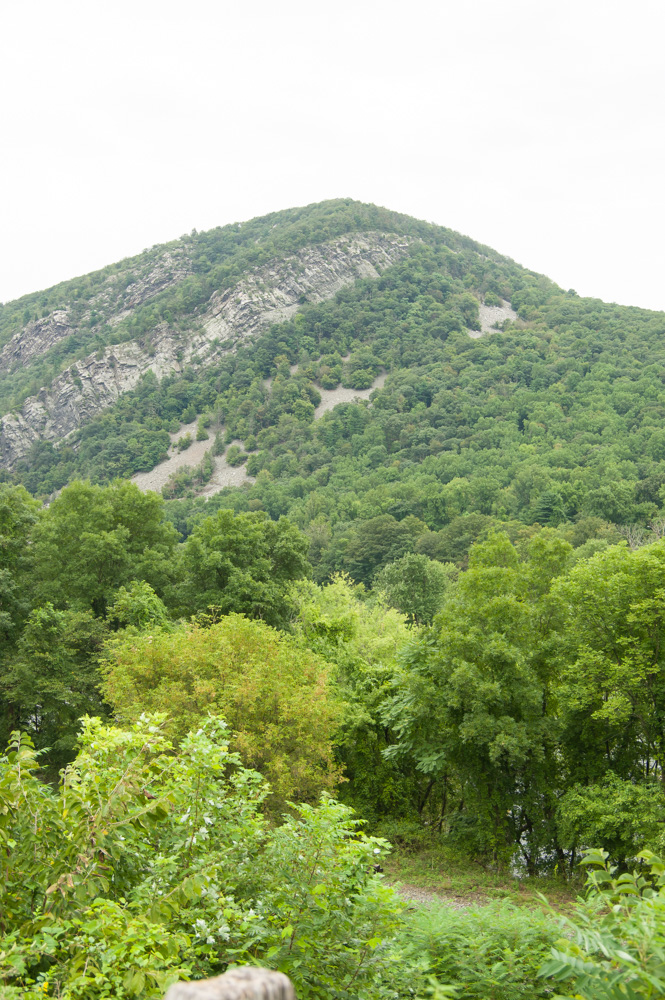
x=205, y=698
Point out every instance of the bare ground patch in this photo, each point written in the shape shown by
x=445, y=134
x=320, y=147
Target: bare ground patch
x=225, y=474
x=331, y=397
x=492, y=317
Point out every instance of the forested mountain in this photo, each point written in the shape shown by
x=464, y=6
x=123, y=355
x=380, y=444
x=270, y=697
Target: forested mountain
x=554, y=417
x=416, y=564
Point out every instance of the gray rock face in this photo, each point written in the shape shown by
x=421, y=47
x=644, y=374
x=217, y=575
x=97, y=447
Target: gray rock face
x=40, y=335
x=169, y=269
x=266, y=296
x=246, y=983
x=273, y=294
x=34, y=339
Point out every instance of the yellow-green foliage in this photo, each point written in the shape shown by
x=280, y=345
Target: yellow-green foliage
x=273, y=694
x=338, y=623
x=362, y=638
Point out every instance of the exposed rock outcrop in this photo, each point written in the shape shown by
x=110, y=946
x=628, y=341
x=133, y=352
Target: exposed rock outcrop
x=35, y=338
x=272, y=294
x=268, y=295
x=116, y=300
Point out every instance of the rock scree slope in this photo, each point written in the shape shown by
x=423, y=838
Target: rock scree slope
x=266, y=295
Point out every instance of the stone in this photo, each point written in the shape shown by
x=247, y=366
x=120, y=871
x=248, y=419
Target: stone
x=267, y=295
x=247, y=983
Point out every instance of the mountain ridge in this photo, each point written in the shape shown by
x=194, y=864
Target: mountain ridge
x=264, y=296
x=506, y=399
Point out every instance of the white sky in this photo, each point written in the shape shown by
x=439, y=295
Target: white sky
x=534, y=126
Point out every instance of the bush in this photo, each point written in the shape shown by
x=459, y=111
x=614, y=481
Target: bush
x=235, y=456
x=179, y=483
x=274, y=695
x=360, y=379
x=330, y=378
x=620, y=814
x=614, y=948
x=147, y=866
x=492, y=953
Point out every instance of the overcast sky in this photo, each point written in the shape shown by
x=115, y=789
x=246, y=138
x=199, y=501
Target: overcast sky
x=536, y=127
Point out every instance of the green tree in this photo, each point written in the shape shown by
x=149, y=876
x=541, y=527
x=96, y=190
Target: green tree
x=138, y=607
x=18, y=515
x=472, y=708
x=623, y=815
x=368, y=545
x=611, y=694
x=273, y=693
x=242, y=563
x=415, y=585
x=363, y=640
x=94, y=539
x=53, y=678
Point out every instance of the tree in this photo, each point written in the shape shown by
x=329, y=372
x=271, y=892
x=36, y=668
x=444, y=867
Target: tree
x=242, y=563
x=623, y=815
x=612, y=647
x=362, y=639
x=415, y=585
x=472, y=707
x=273, y=693
x=53, y=679
x=94, y=539
x=18, y=516
x=137, y=607
x=368, y=545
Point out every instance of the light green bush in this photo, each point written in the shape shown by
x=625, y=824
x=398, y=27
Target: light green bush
x=614, y=947
x=149, y=865
x=490, y=953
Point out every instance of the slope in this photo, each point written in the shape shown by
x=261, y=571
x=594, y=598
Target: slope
x=552, y=415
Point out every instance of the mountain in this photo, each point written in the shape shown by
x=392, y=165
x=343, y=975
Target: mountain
x=357, y=398
x=482, y=389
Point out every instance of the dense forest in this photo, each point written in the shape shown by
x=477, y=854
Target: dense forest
x=432, y=619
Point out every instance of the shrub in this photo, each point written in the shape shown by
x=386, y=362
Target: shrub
x=146, y=866
x=492, y=953
x=273, y=694
x=614, y=947
x=235, y=456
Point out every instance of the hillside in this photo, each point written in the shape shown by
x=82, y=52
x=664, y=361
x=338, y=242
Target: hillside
x=386, y=582
x=498, y=394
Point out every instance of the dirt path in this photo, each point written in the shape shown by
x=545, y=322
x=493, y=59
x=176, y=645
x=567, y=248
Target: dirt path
x=426, y=897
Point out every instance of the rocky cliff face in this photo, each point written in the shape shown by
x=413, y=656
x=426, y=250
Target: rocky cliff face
x=116, y=300
x=35, y=339
x=268, y=295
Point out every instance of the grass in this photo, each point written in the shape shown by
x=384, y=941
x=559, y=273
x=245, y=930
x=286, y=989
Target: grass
x=447, y=871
